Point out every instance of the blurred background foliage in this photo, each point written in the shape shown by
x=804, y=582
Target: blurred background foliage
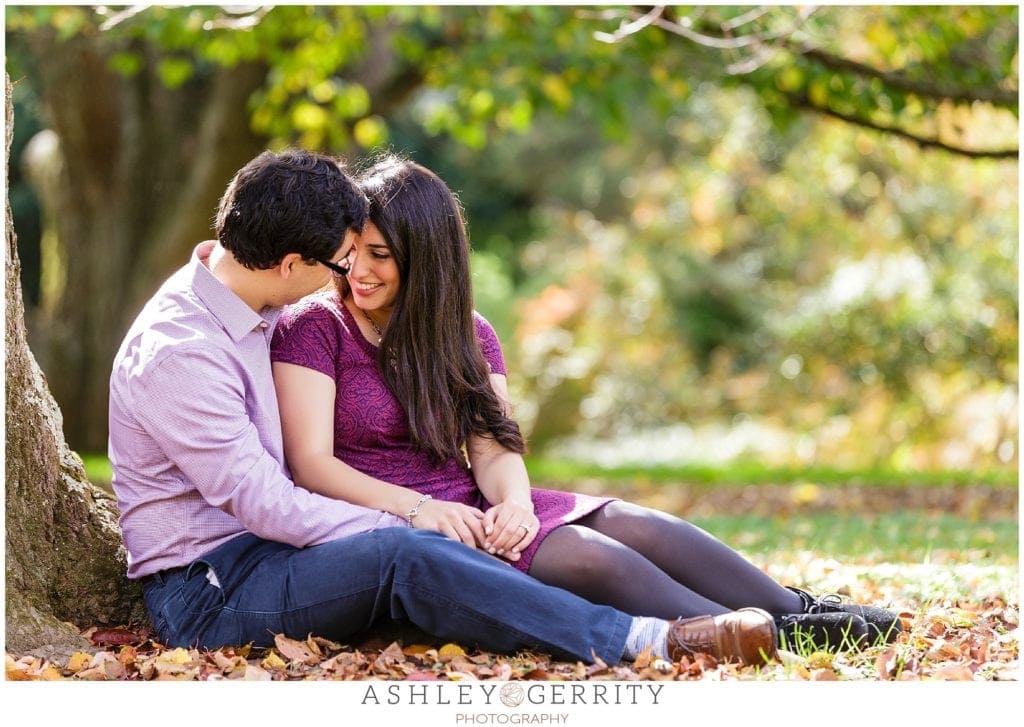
x=705, y=234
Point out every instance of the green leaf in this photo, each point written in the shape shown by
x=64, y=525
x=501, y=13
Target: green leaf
x=174, y=72
x=370, y=132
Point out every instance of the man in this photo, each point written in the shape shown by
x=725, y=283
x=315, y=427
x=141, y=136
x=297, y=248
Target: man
x=229, y=550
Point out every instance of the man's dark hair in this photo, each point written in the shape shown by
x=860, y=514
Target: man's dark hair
x=292, y=201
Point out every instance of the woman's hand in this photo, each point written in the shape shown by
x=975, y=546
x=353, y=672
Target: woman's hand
x=453, y=520
x=509, y=527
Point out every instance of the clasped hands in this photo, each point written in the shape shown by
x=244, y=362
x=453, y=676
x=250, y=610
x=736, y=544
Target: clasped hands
x=505, y=530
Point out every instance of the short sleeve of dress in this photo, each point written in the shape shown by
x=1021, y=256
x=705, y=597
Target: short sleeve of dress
x=490, y=345
x=307, y=334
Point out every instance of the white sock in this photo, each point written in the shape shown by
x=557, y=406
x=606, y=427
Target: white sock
x=647, y=632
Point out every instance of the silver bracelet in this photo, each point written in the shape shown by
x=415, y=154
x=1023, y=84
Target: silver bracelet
x=416, y=509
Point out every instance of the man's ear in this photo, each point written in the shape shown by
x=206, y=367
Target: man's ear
x=288, y=264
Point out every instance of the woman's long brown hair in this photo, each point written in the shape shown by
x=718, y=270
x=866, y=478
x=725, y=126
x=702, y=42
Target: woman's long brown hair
x=430, y=357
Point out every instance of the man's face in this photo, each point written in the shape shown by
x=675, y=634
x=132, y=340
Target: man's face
x=306, y=279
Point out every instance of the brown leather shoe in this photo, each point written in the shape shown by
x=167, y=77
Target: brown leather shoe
x=747, y=635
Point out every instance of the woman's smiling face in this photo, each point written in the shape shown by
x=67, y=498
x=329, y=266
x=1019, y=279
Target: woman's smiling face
x=373, y=278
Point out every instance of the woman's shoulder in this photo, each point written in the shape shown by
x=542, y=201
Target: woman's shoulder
x=323, y=305
x=482, y=324
x=490, y=345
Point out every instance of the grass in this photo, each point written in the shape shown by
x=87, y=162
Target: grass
x=97, y=467
x=754, y=473
x=746, y=473
x=907, y=536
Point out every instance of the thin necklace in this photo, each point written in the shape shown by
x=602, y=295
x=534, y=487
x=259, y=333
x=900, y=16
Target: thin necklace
x=376, y=328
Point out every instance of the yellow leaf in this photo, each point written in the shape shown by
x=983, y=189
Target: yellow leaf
x=176, y=656
x=450, y=651
x=272, y=661
x=14, y=673
x=51, y=674
x=79, y=661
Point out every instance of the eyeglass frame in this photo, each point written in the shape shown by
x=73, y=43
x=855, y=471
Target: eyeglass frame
x=337, y=271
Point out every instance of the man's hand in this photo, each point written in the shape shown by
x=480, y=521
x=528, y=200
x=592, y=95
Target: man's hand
x=509, y=527
x=453, y=520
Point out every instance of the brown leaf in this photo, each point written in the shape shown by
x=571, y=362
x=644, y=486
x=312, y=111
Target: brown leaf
x=114, y=637
x=416, y=649
x=295, y=650
x=423, y=676
x=327, y=644
x=254, y=673
x=953, y=672
x=93, y=674
x=886, y=663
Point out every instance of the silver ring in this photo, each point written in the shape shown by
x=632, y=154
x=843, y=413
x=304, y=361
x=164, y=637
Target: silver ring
x=527, y=528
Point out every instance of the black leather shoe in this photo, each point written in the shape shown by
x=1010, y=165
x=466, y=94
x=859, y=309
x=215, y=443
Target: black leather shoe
x=822, y=631
x=883, y=625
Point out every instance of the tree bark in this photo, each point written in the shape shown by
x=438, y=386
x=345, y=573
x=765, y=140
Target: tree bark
x=64, y=558
x=141, y=169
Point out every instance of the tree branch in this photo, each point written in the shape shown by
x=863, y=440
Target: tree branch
x=899, y=81
x=763, y=45
x=802, y=101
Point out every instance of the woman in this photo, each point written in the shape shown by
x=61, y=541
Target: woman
x=393, y=396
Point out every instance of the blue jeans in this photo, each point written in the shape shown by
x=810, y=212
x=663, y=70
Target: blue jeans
x=249, y=589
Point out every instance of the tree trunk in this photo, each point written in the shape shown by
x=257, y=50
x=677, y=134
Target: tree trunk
x=141, y=169
x=64, y=559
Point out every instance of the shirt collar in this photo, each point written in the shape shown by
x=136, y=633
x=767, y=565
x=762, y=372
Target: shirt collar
x=234, y=314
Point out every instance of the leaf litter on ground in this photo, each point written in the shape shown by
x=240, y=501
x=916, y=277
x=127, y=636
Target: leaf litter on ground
x=961, y=624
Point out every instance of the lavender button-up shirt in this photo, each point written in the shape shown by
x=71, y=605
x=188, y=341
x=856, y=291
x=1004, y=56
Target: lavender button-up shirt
x=195, y=437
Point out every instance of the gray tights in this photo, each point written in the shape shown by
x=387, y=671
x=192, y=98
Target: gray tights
x=648, y=563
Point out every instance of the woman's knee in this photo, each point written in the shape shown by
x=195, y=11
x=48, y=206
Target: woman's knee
x=580, y=551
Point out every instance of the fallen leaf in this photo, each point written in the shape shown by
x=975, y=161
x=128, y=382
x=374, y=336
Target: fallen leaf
x=273, y=662
x=643, y=659
x=176, y=656
x=79, y=661
x=127, y=655
x=953, y=672
x=254, y=673
x=886, y=663
x=327, y=644
x=295, y=650
x=14, y=671
x=50, y=673
x=450, y=651
x=114, y=637
x=423, y=676
x=416, y=649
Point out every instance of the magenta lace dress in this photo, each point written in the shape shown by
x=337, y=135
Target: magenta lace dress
x=370, y=429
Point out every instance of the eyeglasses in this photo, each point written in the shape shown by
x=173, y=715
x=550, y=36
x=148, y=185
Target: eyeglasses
x=337, y=271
